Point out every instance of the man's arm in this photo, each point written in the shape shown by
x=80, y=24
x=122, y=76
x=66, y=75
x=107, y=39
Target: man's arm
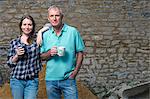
x=50, y=53
x=78, y=64
x=46, y=55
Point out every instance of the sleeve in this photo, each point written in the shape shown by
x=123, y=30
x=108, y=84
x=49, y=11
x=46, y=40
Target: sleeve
x=42, y=49
x=11, y=53
x=79, y=44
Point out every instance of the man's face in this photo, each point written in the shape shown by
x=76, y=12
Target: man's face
x=55, y=17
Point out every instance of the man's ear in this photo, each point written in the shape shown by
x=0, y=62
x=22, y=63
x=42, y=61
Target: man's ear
x=48, y=18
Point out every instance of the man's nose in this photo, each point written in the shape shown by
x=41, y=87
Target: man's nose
x=54, y=17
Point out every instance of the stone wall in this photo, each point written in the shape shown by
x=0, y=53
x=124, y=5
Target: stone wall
x=115, y=32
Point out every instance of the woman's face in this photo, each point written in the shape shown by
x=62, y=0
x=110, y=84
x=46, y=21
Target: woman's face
x=27, y=26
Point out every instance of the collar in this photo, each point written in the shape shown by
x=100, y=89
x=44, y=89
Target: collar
x=64, y=28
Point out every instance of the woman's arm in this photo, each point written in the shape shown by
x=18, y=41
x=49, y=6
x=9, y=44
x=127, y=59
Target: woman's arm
x=39, y=34
x=14, y=53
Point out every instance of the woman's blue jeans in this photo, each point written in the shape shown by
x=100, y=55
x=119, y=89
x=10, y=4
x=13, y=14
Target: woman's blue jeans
x=66, y=87
x=24, y=89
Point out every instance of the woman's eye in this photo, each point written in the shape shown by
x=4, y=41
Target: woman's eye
x=30, y=24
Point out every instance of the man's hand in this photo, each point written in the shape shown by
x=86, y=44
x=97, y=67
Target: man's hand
x=73, y=74
x=53, y=51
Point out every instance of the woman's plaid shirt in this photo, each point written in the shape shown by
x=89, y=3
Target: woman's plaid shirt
x=28, y=66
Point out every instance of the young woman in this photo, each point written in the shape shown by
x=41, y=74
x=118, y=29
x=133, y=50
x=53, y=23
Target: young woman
x=24, y=61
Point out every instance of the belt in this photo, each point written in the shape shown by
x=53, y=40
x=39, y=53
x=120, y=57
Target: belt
x=28, y=78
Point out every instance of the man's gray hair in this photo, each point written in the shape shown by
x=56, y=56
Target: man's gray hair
x=55, y=7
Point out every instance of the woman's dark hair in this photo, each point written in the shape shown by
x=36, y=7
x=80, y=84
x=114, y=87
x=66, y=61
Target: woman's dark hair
x=33, y=30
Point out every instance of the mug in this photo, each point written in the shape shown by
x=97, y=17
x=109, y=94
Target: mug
x=61, y=51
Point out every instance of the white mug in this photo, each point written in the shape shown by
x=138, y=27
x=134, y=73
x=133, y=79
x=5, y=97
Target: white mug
x=61, y=51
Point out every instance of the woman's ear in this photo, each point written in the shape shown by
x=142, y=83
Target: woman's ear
x=62, y=16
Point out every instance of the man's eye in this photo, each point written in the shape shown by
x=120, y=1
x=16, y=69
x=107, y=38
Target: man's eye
x=57, y=15
x=54, y=15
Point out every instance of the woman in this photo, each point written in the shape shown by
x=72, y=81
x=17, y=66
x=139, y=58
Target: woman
x=24, y=60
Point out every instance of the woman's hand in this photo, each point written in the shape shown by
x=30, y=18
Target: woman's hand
x=20, y=51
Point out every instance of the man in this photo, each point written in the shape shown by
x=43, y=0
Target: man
x=61, y=70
